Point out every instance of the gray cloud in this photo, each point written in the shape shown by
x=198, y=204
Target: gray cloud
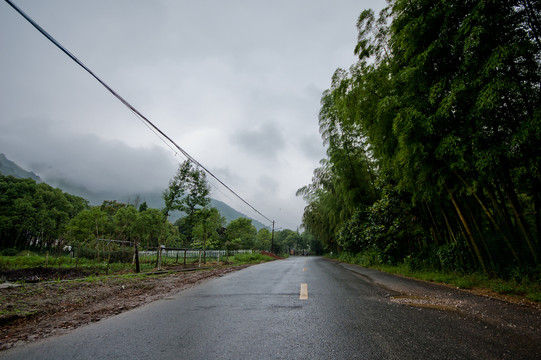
x=237, y=84
x=86, y=159
x=265, y=141
x=312, y=147
x=270, y=184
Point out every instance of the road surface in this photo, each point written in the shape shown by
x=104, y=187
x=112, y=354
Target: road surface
x=305, y=308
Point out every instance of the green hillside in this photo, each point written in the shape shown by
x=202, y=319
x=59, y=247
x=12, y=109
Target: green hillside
x=152, y=198
x=8, y=167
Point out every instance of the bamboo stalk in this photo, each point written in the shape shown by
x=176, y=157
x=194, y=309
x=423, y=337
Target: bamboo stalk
x=468, y=230
x=491, y=218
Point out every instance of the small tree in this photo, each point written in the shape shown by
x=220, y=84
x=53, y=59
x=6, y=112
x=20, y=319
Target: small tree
x=263, y=239
x=242, y=229
x=188, y=191
x=206, y=231
x=149, y=226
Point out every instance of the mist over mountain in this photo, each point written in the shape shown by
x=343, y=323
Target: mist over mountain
x=8, y=167
x=152, y=198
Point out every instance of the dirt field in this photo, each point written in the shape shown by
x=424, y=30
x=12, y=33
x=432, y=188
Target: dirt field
x=45, y=306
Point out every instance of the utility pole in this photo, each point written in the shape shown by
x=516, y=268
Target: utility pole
x=204, y=242
x=272, y=238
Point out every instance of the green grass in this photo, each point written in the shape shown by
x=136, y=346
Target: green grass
x=535, y=296
x=461, y=281
x=19, y=311
x=530, y=290
x=26, y=260
x=241, y=259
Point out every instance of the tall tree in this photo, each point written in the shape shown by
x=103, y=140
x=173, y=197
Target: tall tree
x=443, y=108
x=206, y=232
x=34, y=214
x=241, y=231
x=188, y=191
x=263, y=239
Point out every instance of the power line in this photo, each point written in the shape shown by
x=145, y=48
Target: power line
x=153, y=127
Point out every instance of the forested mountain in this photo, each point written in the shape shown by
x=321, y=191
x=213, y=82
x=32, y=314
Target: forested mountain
x=153, y=199
x=231, y=214
x=8, y=167
x=434, y=139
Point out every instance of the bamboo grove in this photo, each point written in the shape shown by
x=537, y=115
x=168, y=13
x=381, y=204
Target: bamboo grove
x=433, y=138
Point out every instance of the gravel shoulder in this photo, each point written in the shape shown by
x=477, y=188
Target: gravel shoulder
x=504, y=311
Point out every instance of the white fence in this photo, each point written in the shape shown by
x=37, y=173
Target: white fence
x=193, y=253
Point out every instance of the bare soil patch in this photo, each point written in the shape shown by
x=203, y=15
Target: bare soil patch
x=39, y=309
x=43, y=274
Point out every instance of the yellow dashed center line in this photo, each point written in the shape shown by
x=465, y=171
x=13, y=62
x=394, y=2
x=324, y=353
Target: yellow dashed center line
x=304, y=292
x=303, y=269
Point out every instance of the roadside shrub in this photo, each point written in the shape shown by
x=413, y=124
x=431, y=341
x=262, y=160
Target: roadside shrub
x=18, y=261
x=523, y=274
x=535, y=296
x=346, y=257
x=454, y=257
x=450, y=257
x=410, y=262
x=369, y=258
x=365, y=258
x=84, y=252
x=251, y=258
x=124, y=254
x=465, y=282
x=10, y=252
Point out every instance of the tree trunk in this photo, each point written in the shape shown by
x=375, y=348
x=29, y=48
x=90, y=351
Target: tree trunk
x=137, y=267
x=449, y=228
x=503, y=216
x=481, y=235
x=517, y=211
x=433, y=227
x=492, y=220
x=468, y=230
x=502, y=200
x=452, y=234
x=537, y=209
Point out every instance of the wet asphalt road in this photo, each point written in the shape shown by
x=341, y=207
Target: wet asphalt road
x=257, y=313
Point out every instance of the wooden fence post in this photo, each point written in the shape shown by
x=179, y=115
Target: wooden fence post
x=137, y=268
x=159, y=257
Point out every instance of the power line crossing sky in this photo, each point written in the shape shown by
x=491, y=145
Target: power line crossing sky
x=236, y=84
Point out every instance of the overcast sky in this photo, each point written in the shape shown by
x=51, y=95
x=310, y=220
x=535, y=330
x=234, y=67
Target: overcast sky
x=237, y=84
